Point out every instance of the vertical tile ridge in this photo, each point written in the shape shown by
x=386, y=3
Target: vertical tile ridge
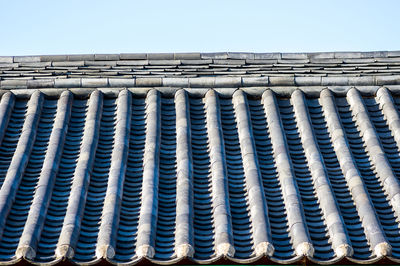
x=151, y=164
x=254, y=187
x=333, y=219
x=184, y=184
x=6, y=107
x=220, y=194
x=106, y=239
x=375, y=150
x=390, y=112
x=21, y=156
x=77, y=199
x=38, y=209
x=291, y=197
x=372, y=228
x=393, y=119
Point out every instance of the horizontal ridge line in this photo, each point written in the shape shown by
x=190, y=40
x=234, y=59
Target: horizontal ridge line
x=201, y=82
x=198, y=55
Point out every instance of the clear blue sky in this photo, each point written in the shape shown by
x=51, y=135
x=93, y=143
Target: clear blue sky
x=70, y=27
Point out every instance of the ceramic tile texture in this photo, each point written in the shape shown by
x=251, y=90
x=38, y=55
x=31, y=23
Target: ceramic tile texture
x=201, y=70
x=215, y=174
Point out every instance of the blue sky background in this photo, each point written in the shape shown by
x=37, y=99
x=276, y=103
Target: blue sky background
x=71, y=27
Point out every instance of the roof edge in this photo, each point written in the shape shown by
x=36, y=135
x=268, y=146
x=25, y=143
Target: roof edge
x=315, y=91
x=202, y=82
x=195, y=55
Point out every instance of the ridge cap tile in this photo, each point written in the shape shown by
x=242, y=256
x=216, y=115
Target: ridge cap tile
x=321, y=55
x=393, y=53
x=80, y=57
x=240, y=55
x=160, y=56
x=348, y=54
x=6, y=59
x=26, y=59
x=218, y=55
x=267, y=56
x=187, y=56
x=294, y=56
x=106, y=57
x=133, y=56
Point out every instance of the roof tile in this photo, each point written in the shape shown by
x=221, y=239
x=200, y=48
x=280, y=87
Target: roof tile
x=137, y=56
x=6, y=59
x=282, y=81
x=148, y=82
x=55, y=58
x=348, y=54
x=187, y=56
x=393, y=54
x=241, y=56
x=68, y=63
x=94, y=82
x=160, y=56
x=294, y=56
x=164, y=62
x=26, y=59
x=106, y=57
x=81, y=57
x=214, y=56
x=67, y=83
x=275, y=56
x=229, y=62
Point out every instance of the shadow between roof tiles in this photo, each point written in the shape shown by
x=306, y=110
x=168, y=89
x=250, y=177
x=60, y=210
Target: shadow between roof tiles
x=323, y=191
x=167, y=178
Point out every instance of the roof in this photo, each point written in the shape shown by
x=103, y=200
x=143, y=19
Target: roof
x=201, y=70
x=200, y=158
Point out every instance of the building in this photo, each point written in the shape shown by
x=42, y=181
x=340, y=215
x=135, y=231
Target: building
x=200, y=158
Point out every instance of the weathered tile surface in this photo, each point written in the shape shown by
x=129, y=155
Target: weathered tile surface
x=210, y=169
x=168, y=65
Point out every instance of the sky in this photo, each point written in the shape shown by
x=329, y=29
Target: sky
x=80, y=27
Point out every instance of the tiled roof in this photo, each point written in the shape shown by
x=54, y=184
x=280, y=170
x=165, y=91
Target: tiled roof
x=230, y=167
x=201, y=70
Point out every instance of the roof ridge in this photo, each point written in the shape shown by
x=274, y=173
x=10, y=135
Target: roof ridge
x=197, y=55
x=201, y=82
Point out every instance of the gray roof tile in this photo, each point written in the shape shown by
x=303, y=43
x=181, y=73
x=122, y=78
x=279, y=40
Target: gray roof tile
x=160, y=56
x=6, y=59
x=136, y=56
x=81, y=57
x=106, y=57
x=292, y=56
x=267, y=56
x=214, y=56
x=167, y=62
x=187, y=56
x=393, y=54
x=26, y=59
x=241, y=56
x=49, y=58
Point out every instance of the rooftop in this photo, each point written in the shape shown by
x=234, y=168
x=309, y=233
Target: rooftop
x=196, y=70
x=200, y=158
